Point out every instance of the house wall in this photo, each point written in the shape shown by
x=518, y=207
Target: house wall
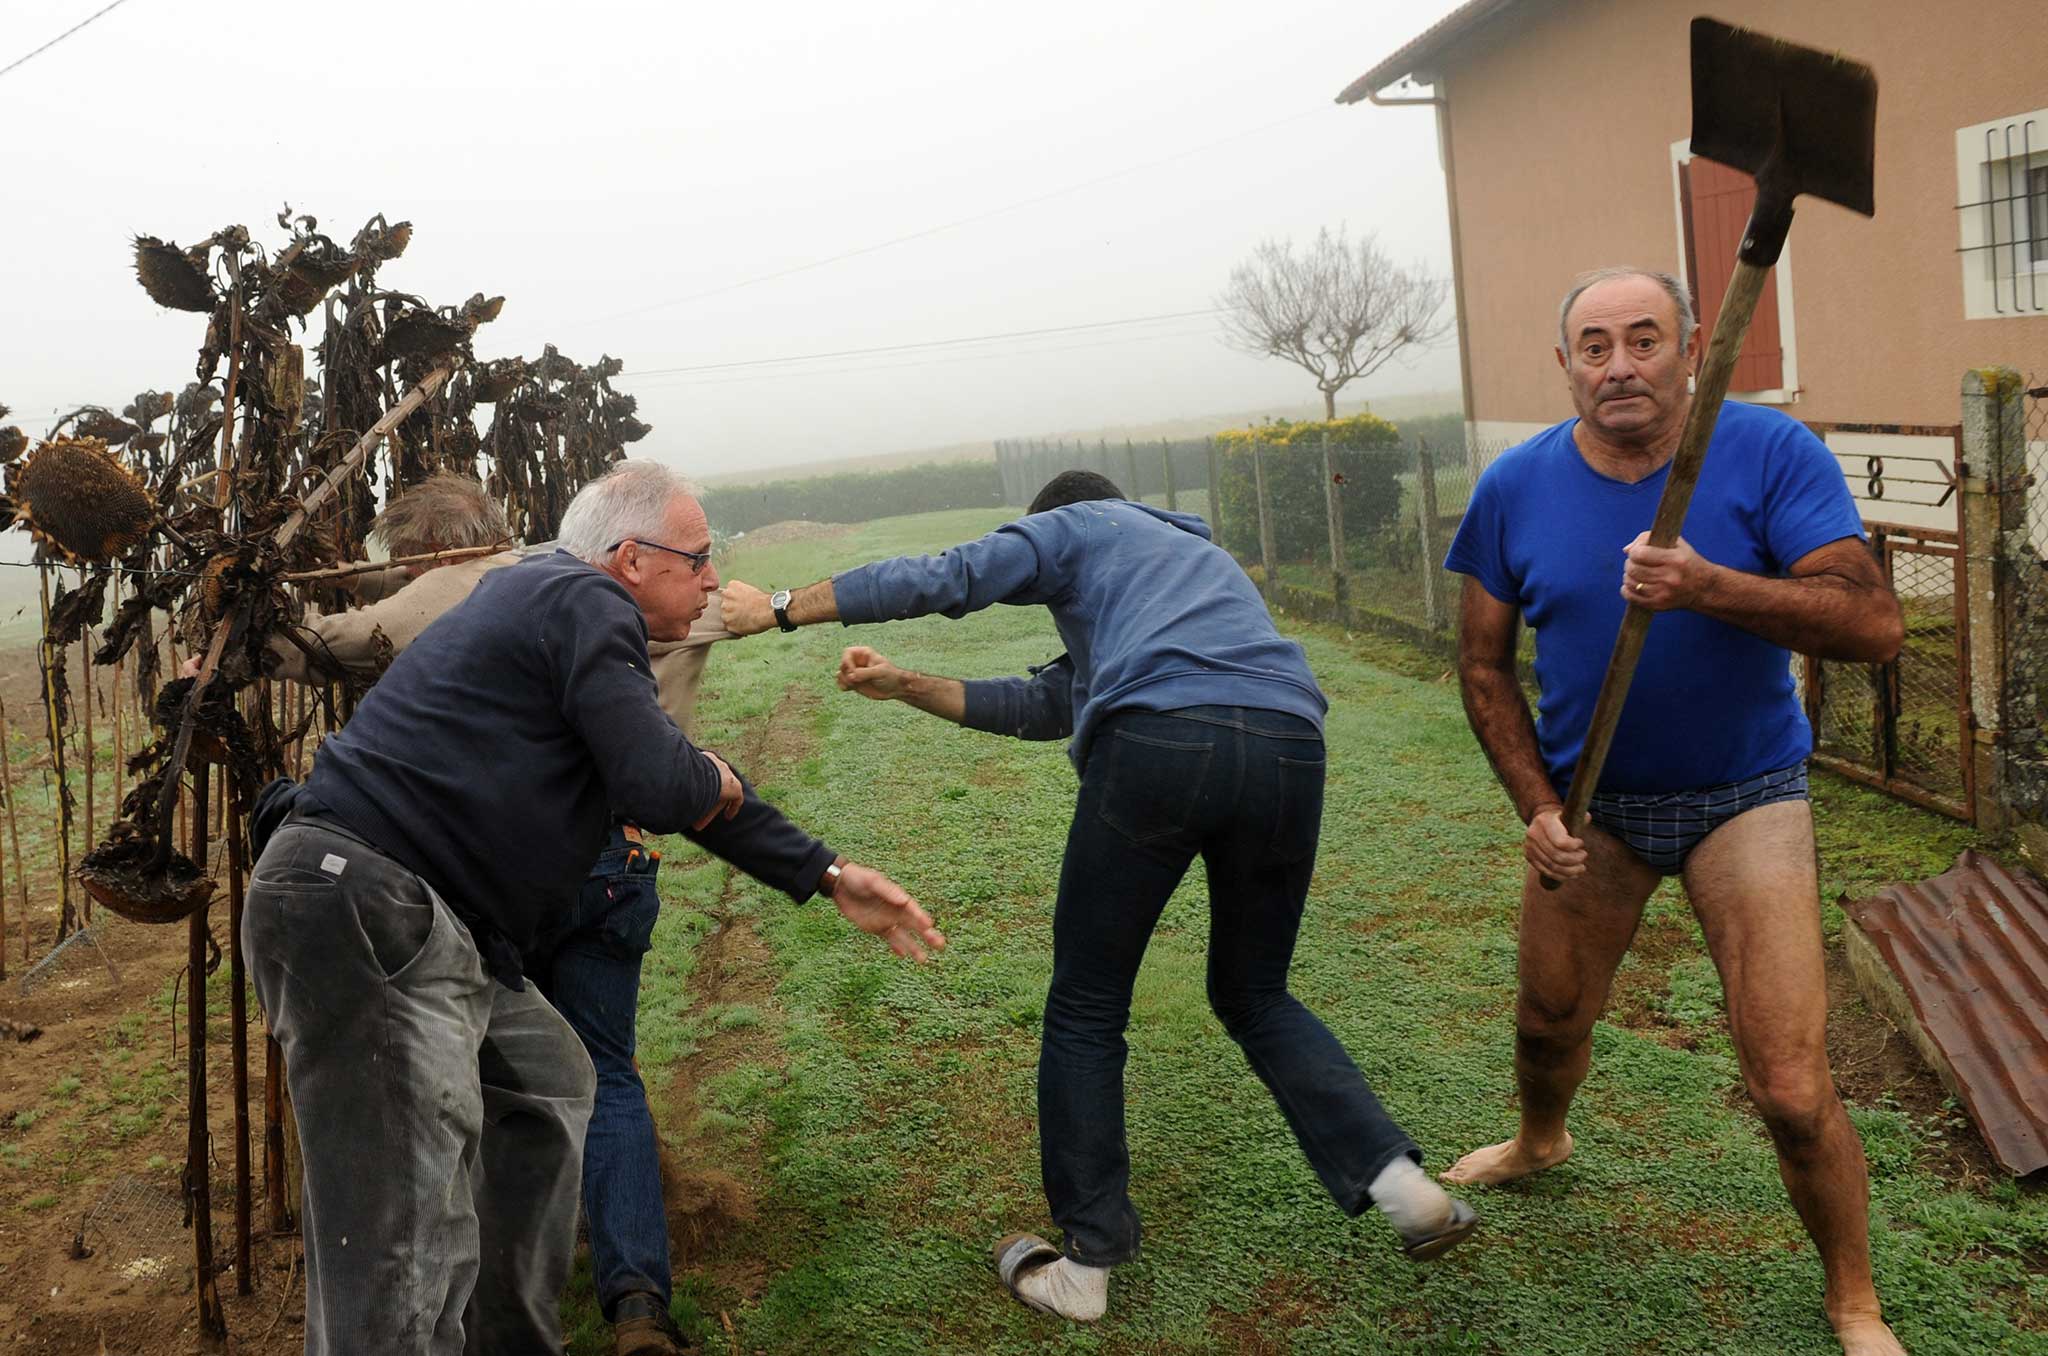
x=1563, y=117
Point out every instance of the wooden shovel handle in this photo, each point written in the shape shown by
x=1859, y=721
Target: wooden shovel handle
x=1737, y=309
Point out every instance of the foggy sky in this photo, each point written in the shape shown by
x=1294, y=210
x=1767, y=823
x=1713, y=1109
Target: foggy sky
x=597, y=160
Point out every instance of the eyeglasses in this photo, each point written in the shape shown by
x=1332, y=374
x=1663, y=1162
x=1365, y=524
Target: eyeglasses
x=698, y=559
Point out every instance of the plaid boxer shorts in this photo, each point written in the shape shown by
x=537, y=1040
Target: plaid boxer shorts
x=1664, y=827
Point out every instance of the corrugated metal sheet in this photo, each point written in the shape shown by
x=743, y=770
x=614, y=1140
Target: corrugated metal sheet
x=1969, y=952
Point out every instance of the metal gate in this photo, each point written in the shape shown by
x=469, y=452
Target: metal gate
x=1906, y=727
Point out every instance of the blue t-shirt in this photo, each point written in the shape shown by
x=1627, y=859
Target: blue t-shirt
x=1711, y=703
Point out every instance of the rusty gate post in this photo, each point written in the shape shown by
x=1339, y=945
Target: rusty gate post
x=1994, y=523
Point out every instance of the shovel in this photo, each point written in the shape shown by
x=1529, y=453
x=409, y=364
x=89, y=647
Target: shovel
x=1800, y=121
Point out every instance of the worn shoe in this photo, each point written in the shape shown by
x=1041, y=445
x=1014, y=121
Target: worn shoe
x=1429, y=1246
x=1040, y=1278
x=641, y=1327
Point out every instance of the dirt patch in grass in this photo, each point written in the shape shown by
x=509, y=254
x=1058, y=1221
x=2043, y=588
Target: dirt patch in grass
x=1284, y=1304
x=92, y=1139
x=1642, y=1215
x=711, y=1176
x=1636, y=1000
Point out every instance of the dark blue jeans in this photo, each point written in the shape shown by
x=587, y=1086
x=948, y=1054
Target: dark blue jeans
x=589, y=968
x=1243, y=789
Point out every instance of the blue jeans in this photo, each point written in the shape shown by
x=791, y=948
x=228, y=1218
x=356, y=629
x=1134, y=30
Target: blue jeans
x=588, y=965
x=1243, y=789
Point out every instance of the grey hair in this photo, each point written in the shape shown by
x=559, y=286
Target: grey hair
x=1673, y=288
x=630, y=500
x=444, y=512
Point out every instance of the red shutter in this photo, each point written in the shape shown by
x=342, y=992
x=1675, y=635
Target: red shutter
x=1716, y=202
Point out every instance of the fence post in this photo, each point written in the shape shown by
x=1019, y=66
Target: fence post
x=1136, y=488
x=1265, y=514
x=1215, y=496
x=1166, y=462
x=1333, y=508
x=1425, y=509
x=1994, y=523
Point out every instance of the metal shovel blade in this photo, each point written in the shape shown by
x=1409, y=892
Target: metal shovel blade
x=1800, y=120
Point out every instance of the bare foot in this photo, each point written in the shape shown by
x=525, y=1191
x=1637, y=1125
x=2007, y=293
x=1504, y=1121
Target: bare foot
x=1865, y=1334
x=1505, y=1162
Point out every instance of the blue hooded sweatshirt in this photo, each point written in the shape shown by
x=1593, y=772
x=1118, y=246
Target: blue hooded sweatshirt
x=1154, y=616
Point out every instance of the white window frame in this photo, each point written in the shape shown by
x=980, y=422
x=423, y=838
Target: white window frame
x=1789, y=391
x=1992, y=288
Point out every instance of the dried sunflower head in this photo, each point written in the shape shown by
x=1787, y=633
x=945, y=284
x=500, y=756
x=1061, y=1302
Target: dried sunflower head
x=117, y=874
x=497, y=379
x=631, y=430
x=219, y=579
x=416, y=332
x=13, y=442
x=75, y=495
x=481, y=310
x=171, y=277
x=318, y=269
x=553, y=366
x=379, y=243
x=110, y=428
x=148, y=407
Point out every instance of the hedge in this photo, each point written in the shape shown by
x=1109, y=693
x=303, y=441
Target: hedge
x=855, y=496
x=1365, y=453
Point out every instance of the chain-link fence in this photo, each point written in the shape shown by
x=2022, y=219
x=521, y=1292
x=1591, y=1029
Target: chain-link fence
x=1171, y=472
x=1904, y=725
x=1395, y=513
x=1356, y=536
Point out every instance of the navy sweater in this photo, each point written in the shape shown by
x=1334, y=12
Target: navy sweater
x=493, y=755
x=1153, y=616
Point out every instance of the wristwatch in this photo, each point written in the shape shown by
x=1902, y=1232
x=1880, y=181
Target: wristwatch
x=828, y=884
x=779, y=600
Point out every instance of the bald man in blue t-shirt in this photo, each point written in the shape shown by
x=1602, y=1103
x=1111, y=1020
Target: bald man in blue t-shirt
x=1708, y=773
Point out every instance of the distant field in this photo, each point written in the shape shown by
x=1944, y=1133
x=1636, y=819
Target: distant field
x=1395, y=408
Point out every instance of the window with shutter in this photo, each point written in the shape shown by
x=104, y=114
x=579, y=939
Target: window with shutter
x=1714, y=206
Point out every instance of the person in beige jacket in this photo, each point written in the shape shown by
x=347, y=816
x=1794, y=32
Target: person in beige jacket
x=444, y=513
x=590, y=967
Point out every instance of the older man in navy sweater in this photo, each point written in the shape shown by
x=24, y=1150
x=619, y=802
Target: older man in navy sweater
x=441, y=1101
x=1197, y=730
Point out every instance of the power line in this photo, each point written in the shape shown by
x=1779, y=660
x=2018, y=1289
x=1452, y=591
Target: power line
x=61, y=36
x=958, y=223
x=927, y=343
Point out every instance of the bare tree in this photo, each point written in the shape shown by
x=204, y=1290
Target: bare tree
x=1338, y=310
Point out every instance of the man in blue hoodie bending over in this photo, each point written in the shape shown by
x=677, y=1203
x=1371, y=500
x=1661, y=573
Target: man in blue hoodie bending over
x=1197, y=730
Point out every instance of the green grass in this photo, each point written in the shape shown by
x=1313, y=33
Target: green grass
x=889, y=1108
